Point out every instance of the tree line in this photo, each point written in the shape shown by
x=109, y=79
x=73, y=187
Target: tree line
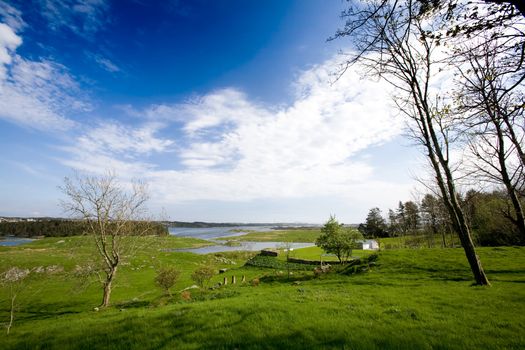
x=427, y=222
x=65, y=228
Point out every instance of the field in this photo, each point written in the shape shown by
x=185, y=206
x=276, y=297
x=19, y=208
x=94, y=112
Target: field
x=410, y=299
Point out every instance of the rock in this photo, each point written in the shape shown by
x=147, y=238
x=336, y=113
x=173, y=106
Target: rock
x=96, y=309
x=191, y=287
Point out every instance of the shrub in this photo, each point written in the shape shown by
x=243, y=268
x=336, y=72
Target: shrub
x=186, y=295
x=202, y=275
x=337, y=239
x=166, y=278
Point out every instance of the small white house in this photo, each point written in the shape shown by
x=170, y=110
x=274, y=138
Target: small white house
x=369, y=244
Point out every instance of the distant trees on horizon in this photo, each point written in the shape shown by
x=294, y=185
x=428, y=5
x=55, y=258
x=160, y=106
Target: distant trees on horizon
x=59, y=228
x=488, y=214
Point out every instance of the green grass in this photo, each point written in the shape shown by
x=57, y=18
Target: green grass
x=410, y=299
x=300, y=235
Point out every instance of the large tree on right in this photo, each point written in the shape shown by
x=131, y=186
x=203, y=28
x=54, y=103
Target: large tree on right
x=405, y=43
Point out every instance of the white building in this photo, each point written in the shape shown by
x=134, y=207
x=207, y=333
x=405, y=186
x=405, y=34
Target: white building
x=369, y=244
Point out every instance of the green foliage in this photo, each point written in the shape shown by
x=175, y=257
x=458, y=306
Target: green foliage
x=166, y=278
x=202, y=275
x=338, y=240
x=375, y=225
x=489, y=218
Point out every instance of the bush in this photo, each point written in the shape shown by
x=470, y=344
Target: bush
x=166, y=278
x=274, y=263
x=186, y=295
x=337, y=239
x=203, y=275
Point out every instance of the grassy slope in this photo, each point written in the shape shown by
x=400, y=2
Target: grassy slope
x=411, y=299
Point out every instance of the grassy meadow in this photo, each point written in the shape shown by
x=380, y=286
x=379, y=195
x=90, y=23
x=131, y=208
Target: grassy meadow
x=407, y=299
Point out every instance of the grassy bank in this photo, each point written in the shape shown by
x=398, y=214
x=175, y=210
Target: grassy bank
x=411, y=299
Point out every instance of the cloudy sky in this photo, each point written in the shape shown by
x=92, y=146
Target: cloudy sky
x=229, y=110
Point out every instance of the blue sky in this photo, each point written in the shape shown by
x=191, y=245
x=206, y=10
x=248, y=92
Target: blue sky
x=229, y=110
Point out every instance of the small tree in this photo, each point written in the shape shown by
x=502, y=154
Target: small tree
x=203, y=275
x=114, y=217
x=338, y=240
x=166, y=278
x=13, y=279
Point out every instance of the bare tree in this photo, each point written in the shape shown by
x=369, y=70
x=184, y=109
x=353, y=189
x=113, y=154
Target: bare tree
x=114, y=217
x=491, y=109
x=14, y=279
x=392, y=42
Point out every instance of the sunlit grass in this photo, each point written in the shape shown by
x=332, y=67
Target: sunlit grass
x=418, y=299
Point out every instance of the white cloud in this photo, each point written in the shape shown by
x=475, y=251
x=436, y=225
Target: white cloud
x=9, y=41
x=111, y=145
x=112, y=137
x=36, y=94
x=232, y=148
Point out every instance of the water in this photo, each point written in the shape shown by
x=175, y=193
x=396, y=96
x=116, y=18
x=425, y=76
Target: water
x=251, y=246
x=214, y=233
x=13, y=241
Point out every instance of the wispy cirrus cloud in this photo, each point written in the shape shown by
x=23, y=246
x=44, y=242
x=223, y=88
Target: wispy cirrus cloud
x=106, y=64
x=35, y=94
x=103, y=62
x=83, y=17
x=11, y=16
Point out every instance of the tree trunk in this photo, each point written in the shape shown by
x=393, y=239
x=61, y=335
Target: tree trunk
x=505, y=177
x=448, y=190
x=107, y=287
x=443, y=239
x=444, y=178
x=11, y=314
